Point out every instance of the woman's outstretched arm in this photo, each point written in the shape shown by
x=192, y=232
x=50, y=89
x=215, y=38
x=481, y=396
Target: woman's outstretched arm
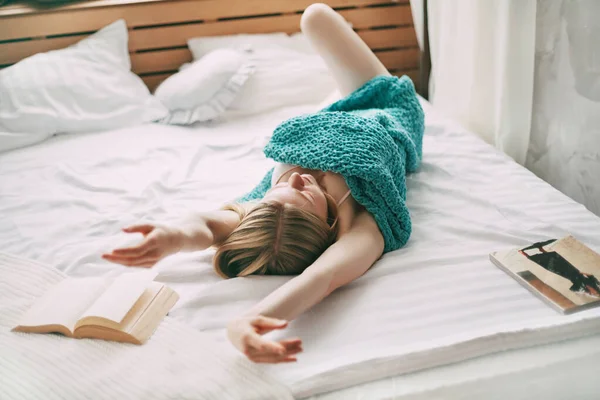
x=197, y=232
x=352, y=63
x=347, y=259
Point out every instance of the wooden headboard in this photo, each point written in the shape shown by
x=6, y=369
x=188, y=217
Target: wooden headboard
x=159, y=29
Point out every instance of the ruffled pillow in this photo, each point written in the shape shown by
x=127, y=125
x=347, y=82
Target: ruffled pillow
x=204, y=89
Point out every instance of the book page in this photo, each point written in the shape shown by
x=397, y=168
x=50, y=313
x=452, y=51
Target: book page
x=120, y=296
x=65, y=302
x=155, y=312
x=141, y=306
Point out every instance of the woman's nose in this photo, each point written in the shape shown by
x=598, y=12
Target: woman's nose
x=296, y=181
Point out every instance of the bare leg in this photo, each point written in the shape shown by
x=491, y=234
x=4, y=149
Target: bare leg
x=350, y=60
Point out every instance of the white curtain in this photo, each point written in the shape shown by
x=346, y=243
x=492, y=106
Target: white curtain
x=482, y=55
x=416, y=7
x=564, y=148
x=525, y=76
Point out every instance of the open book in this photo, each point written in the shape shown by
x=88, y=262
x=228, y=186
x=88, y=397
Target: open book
x=564, y=273
x=127, y=308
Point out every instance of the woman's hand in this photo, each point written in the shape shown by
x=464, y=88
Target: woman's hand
x=159, y=242
x=245, y=334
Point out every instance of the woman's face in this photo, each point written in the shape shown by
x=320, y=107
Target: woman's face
x=302, y=191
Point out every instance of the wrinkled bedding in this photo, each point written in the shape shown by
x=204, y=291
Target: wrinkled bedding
x=435, y=302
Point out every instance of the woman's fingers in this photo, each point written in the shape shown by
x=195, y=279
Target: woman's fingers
x=133, y=257
x=147, y=260
x=263, y=324
x=291, y=352
x=291, y=342
x=245, y=333
x=134, y=251
x=269, y=352
x=256, y=344
x=142, y=228
x=115, y=259
x=144, y=265
x=265, y=357
x=140, y=248
x=126, y=258
x=292, y=346
x=261, y=350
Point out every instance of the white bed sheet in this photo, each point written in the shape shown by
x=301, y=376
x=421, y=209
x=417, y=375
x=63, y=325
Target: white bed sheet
x=544, y=371
x=435, y=302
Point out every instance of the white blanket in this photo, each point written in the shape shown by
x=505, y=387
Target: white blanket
x=176, y=363
x=437, y=301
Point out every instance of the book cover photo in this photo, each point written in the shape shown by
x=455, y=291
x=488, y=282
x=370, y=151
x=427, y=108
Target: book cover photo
x=564, y=273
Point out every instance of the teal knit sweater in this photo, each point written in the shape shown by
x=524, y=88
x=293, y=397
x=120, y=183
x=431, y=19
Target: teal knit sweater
x=372, y=138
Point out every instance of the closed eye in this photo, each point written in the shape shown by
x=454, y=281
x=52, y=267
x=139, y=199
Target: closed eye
x=305, y=194
x=321, y=183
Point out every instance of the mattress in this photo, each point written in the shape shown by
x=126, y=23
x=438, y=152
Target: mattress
x=432, y=314
x=543, y=371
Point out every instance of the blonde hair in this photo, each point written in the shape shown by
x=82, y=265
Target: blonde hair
x=275, y=239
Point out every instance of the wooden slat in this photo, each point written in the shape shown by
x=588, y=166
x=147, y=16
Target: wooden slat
x=399, y=59
x=390, y=38
x=164, y=12
x=159, y=61
x=16, y=51
x=152, y=81
x=362, y=18
x=413, y=74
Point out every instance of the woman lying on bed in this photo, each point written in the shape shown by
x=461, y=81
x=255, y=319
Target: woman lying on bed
x=326, y=227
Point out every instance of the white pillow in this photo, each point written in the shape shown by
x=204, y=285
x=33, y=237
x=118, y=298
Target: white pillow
x=88, y=86
x=11, y=140
x=201, y=91
x=204, y=45
x=299, y=42
x=286, y=73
